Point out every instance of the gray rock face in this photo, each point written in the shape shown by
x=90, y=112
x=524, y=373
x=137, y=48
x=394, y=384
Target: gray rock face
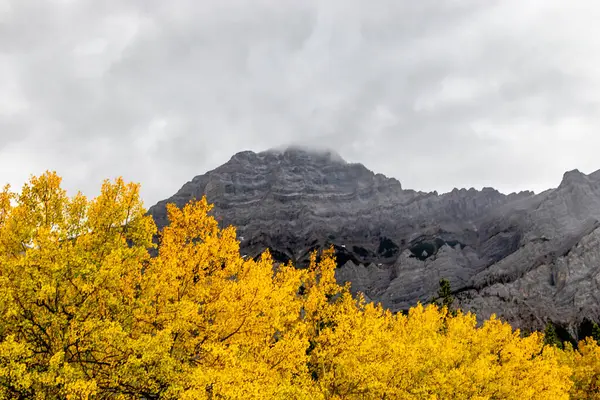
x=526, y=257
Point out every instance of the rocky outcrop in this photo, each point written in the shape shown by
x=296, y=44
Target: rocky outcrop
x=528, y=258
x=553, y=273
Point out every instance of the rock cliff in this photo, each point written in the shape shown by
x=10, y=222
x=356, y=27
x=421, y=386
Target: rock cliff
x=528, y=258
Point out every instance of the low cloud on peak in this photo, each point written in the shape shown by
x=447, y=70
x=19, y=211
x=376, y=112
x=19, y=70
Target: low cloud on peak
x=437, y=94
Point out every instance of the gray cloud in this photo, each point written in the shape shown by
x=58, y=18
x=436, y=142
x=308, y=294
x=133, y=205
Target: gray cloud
x=460, y=93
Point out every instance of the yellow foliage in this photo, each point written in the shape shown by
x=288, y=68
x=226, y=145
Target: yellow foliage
x=87, y=313
x=585, y=363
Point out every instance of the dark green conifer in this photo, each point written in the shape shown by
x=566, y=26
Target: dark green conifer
x=445, y=293
x=551, y=337
x=596, y=332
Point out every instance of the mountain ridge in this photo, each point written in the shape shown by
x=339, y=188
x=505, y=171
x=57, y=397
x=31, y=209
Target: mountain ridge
x=394, y=244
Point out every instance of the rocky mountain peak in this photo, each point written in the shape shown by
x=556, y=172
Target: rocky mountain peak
x=524, y=257
x=289, y=156
x=301, y=155
x=574, y=177
x=595, y=175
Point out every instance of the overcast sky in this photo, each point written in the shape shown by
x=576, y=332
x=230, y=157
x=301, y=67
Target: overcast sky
x=437, y=93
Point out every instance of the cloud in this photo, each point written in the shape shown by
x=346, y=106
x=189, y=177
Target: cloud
x=437, y=94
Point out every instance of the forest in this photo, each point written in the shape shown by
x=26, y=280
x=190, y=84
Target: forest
x=95, y=303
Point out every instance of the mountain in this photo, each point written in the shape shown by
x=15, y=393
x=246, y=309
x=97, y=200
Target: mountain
x=527, y=258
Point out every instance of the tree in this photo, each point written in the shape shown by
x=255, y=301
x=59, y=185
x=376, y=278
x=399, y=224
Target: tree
x=596, y=332
x=86, y=312
x=69, y=269
x=445, y=294
x=585, y=365
x=551, y=337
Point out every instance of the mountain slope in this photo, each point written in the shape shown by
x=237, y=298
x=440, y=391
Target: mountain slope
x=395, y=244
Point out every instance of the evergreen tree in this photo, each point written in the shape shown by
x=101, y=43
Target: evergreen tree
x=445, y=293
x=551, y=337
x=596, y=332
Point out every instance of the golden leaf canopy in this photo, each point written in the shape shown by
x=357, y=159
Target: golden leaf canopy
x=87, y=313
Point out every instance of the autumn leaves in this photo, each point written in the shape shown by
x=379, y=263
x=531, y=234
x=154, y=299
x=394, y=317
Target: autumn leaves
x=85, y=312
